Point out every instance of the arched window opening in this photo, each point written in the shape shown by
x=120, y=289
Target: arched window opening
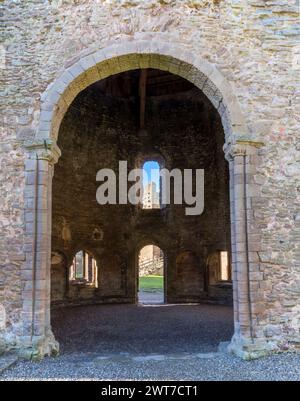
x=151, y=275
x=225, y=270
x=151, y=185
x=219, y=268
x=83, y=269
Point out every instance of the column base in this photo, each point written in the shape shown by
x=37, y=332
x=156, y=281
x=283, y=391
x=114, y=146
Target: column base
x=248, y=349
x=37, y=347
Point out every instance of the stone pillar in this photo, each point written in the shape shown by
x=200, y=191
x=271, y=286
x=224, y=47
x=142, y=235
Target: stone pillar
x=233, y=244
x=37, y=339
x=242, y=158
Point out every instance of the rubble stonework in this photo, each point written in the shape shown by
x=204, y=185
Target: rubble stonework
x=244, y=55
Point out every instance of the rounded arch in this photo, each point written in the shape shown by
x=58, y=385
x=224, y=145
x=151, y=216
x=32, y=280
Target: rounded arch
x=150, y=240
x=89, y=266
x=69, y=254
x=138, y=54
x=42, y=154
x=156, y=156
x=85, y=248
x=150, y=243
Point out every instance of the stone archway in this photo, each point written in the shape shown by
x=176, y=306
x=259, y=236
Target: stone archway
x=152, y=269
x=43, y=153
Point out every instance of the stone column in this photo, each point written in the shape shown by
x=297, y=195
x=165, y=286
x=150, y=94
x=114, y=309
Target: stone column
x=233, y=244
x=242, y=158
x=37, y=339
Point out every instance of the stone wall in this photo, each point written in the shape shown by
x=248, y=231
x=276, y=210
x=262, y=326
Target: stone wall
x=101, y=128
x=59, y=277
x=254, y=46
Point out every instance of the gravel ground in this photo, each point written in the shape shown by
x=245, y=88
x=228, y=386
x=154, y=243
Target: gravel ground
x=110, y=329
x=190, y=367
x=152, y=343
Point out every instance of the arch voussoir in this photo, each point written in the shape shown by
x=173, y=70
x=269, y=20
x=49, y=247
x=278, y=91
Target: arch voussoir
x=135, y=54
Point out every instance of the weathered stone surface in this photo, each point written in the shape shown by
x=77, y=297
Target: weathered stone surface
x=253, y=44
x=2, y=317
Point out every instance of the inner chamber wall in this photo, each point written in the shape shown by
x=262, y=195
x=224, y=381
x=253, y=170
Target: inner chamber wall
x=102, y=127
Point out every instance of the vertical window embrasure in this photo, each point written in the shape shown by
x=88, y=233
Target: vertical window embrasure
x=225, y=270
x=84, y=269
x=151, y=185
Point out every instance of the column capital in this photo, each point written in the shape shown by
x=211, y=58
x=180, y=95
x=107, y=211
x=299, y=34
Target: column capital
x=241, y=148
x=43, y=149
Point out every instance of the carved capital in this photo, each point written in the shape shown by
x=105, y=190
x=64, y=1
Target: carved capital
x=46, y=149
x=241, y=148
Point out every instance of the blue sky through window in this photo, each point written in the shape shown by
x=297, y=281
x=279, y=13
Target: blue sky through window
x=151, y=173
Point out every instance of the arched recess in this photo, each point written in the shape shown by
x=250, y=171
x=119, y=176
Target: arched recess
x=59, y=276
x=43, y=153
x=188, y=265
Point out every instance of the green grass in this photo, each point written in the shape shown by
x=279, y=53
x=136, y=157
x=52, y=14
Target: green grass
x=151, y=283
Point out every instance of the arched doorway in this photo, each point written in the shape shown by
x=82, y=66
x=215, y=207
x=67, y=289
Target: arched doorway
x=151, y=275
x=57, y=100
